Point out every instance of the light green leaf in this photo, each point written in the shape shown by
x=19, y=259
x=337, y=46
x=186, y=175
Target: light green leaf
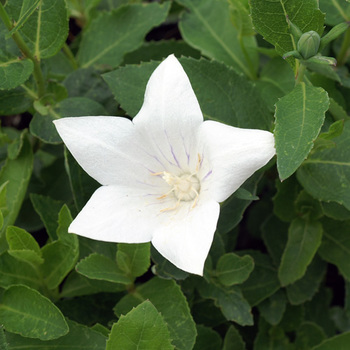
x=308, y=335
x=270, y=20
x=273, y=308
x=169, y=300
x=60, y=258
x=331, y=168
x=232, y=269
x=97, y=266
x=263, y=281
x=25, y=311
x=231, y=302
x=304, y=237
x=79, y=337
x=335, y=247
x=299, y=117
x=14, y=271
x=233, y=340
x=47, y=208
x=14, y=71
x=18, y=172
x=27, y=9
x=111, y=35
x=143, y=328
x=223, y=94
x=133, y=259
x=46, y=30
x=23, y=246
x=207, y=27
x=339, y=342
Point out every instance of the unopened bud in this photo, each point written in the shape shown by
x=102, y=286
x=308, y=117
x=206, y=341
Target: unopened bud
x=308, y=44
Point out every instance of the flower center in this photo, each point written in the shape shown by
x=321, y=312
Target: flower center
x=185, y=187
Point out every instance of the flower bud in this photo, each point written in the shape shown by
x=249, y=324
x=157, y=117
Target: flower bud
x=309, y=44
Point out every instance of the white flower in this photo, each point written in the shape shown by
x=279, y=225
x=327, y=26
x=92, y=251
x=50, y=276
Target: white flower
x=164, y=173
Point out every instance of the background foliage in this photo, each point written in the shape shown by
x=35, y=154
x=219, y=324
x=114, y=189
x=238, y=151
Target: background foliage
x=278, y=273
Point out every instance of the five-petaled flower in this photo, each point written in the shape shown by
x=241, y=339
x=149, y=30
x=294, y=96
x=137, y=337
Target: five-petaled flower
x=164, y=173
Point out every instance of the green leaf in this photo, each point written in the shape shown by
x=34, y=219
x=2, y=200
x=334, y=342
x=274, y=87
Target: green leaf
x=47, y=208
x=273, y=308
x=299, y=117
x=15, y=101
x=223, y=94
x=207, y=339
x=60, y=258
x=231, y=302
x=169, y=300
x=46, y=29
x=233, y=340
x=111, y=35
x=64, y=220
x=232, y=269
x=133, y=259
x=304, y=237
x=97, y=266
x=143, y=328
x=339, y=342
x=14, y=271
x=79, y=337
x=335, y=247
x=331, y=169
x=14, y=71
x=18, y=172
x=240, y=17
x=308, y=335
x=305, y=288
x=263, y=281
x=25, y=311
x=270, y=20
x=3, y=342
x=42, y=126
x=207, y=27
x=336, y=11
x=335, y=211
x=27, y=9
x=292, y=318
x=23, y=246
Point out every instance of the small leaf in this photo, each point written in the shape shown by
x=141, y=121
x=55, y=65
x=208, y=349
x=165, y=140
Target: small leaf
x=97, y=266
x=113, y=34
x=233, y=340
x=14, y=71
x=142, y=328
x=304, y=237
x=25, y=311
x=207, y=339
x=133, y=259
x=299, y=117
x=232, y=269
x=308, y=335
x=273, y=308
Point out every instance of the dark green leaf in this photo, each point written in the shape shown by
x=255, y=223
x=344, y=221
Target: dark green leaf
x=142, y=328
x=207, y=339
x=299, y=117
x=336, y=11
x=233, y=340
x=14, y=101
x=14, y=71
x=339, y=342
x=308, y=335
x=25, y=311
x=273, y=308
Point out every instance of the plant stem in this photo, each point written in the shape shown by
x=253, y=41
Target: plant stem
x=69, y=54
x=37, y=73
x=248, y=59
x=344, y=50
x=300, y=74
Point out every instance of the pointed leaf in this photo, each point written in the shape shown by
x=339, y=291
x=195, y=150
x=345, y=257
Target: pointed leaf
x=299, y=117
x=25, y=311
x=143, y=328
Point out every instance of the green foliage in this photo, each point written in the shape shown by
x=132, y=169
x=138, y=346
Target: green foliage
x=141, y=328
x=280, y=256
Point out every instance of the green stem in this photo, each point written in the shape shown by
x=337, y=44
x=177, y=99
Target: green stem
x=248, y=59
x=69, y=54
x=300, y=74
x=38, y=75
x=344, y=50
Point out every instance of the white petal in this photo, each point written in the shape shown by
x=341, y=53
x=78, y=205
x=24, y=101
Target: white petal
x=234, y=155
x=170, y=114
x=186, y=242
x=110, y=150
x=117, y=214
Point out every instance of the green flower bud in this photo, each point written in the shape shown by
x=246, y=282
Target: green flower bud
x=309, y=44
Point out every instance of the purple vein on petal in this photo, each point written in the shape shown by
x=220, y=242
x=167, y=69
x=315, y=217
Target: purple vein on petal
x=172, y=149
x=207, y=175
